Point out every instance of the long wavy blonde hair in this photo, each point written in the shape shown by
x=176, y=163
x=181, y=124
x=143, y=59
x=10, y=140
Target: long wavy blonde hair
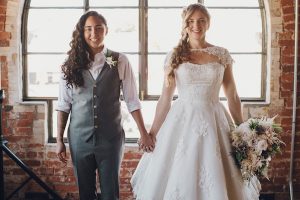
x=182, y=52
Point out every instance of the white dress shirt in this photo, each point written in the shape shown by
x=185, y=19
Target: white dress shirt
x=126, y=75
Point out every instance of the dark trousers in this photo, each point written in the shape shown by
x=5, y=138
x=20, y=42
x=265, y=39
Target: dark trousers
x=104, y=156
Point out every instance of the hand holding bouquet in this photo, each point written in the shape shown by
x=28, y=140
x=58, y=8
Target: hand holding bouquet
x=254, y=143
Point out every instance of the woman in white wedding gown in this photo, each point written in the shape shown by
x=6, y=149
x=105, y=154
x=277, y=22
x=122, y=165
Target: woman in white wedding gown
x=191, y=159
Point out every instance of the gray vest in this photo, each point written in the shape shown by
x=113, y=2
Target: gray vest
x=96, y=105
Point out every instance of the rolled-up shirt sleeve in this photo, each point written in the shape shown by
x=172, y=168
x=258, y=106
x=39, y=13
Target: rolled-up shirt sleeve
x=129, y=88
x=64, y=96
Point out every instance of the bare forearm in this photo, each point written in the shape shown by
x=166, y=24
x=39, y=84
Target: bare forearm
x=235, y=109
x=138, y=118
x=161, y=112
x=62, y=118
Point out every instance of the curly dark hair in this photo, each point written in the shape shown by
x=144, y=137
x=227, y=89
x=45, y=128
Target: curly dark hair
x=78, y=56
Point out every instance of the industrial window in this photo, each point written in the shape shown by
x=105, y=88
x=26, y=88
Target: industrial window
x=145, y=30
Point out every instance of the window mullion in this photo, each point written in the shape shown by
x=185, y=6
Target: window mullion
x=86, y=5
x=143, y=48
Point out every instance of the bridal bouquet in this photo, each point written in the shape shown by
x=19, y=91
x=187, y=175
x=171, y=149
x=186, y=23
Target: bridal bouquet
x=254, y=143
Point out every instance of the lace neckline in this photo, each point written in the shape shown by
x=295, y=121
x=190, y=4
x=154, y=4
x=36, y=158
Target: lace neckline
x=204, y=64
x=202, y=49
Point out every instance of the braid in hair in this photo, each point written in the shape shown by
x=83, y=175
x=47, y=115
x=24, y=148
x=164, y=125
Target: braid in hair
x=180, y=55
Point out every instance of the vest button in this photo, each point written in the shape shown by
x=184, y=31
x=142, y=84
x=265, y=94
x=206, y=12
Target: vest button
x=95, y=116
x=95, y=96
x=95, y=106
x=96, y=126
x=94, y=85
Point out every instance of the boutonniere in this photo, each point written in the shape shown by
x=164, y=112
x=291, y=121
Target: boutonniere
x=110, y=61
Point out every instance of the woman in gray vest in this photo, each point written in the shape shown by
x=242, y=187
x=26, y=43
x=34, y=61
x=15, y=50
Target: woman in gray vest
x=89, y=91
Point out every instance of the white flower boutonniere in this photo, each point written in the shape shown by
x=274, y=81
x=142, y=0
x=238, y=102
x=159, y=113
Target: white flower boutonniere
x=111, y=62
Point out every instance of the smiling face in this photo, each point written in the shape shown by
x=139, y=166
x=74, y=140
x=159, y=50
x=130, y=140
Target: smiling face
x=95, y=31
x=197, y=25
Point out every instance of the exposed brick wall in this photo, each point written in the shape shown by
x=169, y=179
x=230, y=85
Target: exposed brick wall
x=24, y=123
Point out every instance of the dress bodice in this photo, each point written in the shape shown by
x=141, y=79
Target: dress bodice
x=202, y=82
x=197, y=82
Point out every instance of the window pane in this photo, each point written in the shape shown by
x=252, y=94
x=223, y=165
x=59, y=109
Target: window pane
x=170, y=2
x=130, y=128
x=47, y=32
x=155, y=74
x=123, y=29
x=113, y=3
x=56, y=3
x=164, y=29
x=237, y=30
x=247, y=75
x=43, y=75
x=133, y=59
x=231, y=3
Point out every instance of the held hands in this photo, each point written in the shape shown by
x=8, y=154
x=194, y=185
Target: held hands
x=147, y=142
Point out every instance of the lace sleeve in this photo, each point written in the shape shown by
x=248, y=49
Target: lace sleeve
x=222, y=53
x=225, y=57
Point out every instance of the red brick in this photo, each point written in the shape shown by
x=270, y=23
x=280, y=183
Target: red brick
x=287, y=2
x=23, y=130
x=289, y=26
x=286, y=42
x=44, y=171
x=53, y=163
x=286, y=121
x=2, y=19
x=286, y=35
x=288, y=10
x=31, y=154
x=2, y=10
x=18, y=171
x=287, y=60
x=286, y=94
x=289, y=18
x=24, y=123
x=286, y=112
x=129, y=164
x=33, y=163
x=287, y=78
x=3, y=3
x=5, y=35
x=35, y=145
x=286, y=86
x=67, y=187
x=288, y=51
x=4, y=43
x=27, y=115
x=52, y=155
x=132, y=155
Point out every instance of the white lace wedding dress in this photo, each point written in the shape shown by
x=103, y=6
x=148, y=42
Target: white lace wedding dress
x=192, y=160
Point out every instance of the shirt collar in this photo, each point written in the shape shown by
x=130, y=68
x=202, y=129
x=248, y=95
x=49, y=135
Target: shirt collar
x=101, y=55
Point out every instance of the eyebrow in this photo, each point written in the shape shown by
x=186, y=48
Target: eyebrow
x=95, y=26
x=197, y=18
